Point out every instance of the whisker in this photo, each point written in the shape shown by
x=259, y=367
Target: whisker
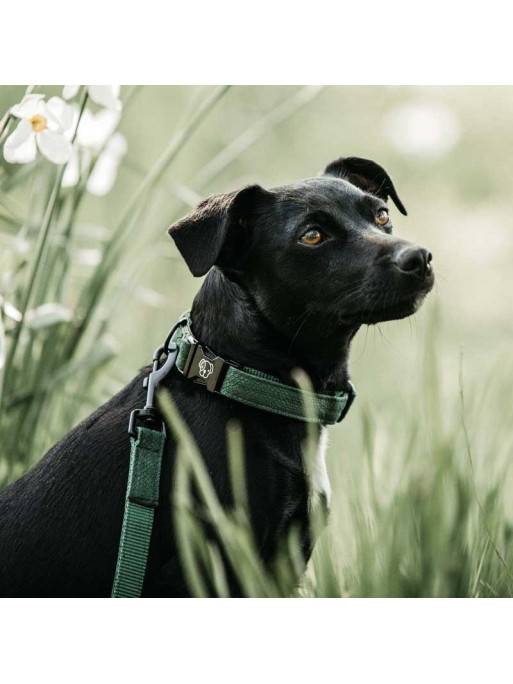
x=306, y=316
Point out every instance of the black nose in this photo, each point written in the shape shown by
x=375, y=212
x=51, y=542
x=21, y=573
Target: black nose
x=414, y=261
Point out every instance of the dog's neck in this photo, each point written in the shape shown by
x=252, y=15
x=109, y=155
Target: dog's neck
x=226, y=318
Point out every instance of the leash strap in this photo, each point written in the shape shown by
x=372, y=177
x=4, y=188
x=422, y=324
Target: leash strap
x=252, y=387
x=142, y=497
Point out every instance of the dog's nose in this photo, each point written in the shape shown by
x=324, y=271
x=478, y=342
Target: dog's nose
x=414, y=261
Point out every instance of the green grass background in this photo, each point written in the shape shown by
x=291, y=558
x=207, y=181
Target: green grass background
x=420, y=469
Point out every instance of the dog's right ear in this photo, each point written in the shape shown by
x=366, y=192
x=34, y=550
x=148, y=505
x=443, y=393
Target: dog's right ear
x=216, y=232
x=366, y=175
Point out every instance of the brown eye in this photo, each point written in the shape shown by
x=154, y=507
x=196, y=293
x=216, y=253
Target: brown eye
x=382, y=217
x=312, y=237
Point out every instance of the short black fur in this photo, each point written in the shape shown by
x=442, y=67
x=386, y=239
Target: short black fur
x=270, y=302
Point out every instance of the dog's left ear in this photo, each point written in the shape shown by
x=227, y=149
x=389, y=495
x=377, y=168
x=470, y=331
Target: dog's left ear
x=217, y=231
x=366, y=175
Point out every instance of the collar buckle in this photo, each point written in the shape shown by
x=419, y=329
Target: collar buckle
x=203, y=366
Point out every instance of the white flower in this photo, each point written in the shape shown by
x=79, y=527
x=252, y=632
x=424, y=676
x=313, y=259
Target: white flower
x=43, y=125
x=96, y=139
x=95, y=129
x=70, y=91
x=103, y=177
x=103, y=95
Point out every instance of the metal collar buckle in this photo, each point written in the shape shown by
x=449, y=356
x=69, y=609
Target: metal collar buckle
x=203, y=366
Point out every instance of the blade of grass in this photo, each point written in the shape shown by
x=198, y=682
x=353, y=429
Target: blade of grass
x=468, y=447
x=250, y=136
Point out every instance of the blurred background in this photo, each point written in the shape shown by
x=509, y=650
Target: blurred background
x=420, y=469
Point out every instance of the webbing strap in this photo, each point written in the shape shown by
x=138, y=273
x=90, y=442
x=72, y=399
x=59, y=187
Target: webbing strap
x=142, y=497
x=266, y=393
x=260, y=390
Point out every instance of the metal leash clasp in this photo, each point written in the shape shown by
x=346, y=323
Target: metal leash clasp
x=351, y=396
x=149, y=415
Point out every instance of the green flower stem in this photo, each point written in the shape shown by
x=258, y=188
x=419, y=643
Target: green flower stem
x=4, y=124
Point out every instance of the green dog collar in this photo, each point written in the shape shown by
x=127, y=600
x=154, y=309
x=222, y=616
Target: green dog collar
x=252, y=387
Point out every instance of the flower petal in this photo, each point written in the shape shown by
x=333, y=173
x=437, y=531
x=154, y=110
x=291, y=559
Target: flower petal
x=20, y=146
x=61, y=112
x=74, y=119
x=54, y=146
x=103, y=177
x=117, y=146
x=11, y=311
x=20, y=134
x=30, y=105
x=72, y=171
x=95, y=129
x=70, y=91
x=24, y=153
x=105, y=95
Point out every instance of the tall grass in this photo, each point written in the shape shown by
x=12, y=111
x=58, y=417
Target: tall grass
x=436, y=532
x=55, y=313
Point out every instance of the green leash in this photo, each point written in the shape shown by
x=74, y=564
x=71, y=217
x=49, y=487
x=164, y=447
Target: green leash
x=142, y=492
x=142, y=497
x=239, y=383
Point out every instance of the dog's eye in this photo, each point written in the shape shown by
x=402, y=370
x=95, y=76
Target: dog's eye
x=382, y=217
x=312, y=237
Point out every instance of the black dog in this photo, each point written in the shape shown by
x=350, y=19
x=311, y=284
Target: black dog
x=297, y=270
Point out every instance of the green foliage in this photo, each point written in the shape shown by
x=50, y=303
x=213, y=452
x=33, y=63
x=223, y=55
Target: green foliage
x=435, y=535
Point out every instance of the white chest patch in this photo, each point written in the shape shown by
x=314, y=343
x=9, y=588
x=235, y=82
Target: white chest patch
x=320, y=490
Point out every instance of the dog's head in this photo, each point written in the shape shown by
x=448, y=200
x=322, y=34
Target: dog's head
x=323, y=245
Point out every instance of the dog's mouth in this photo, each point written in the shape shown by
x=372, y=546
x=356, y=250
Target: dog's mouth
x=392, y=312
x=389, y=307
